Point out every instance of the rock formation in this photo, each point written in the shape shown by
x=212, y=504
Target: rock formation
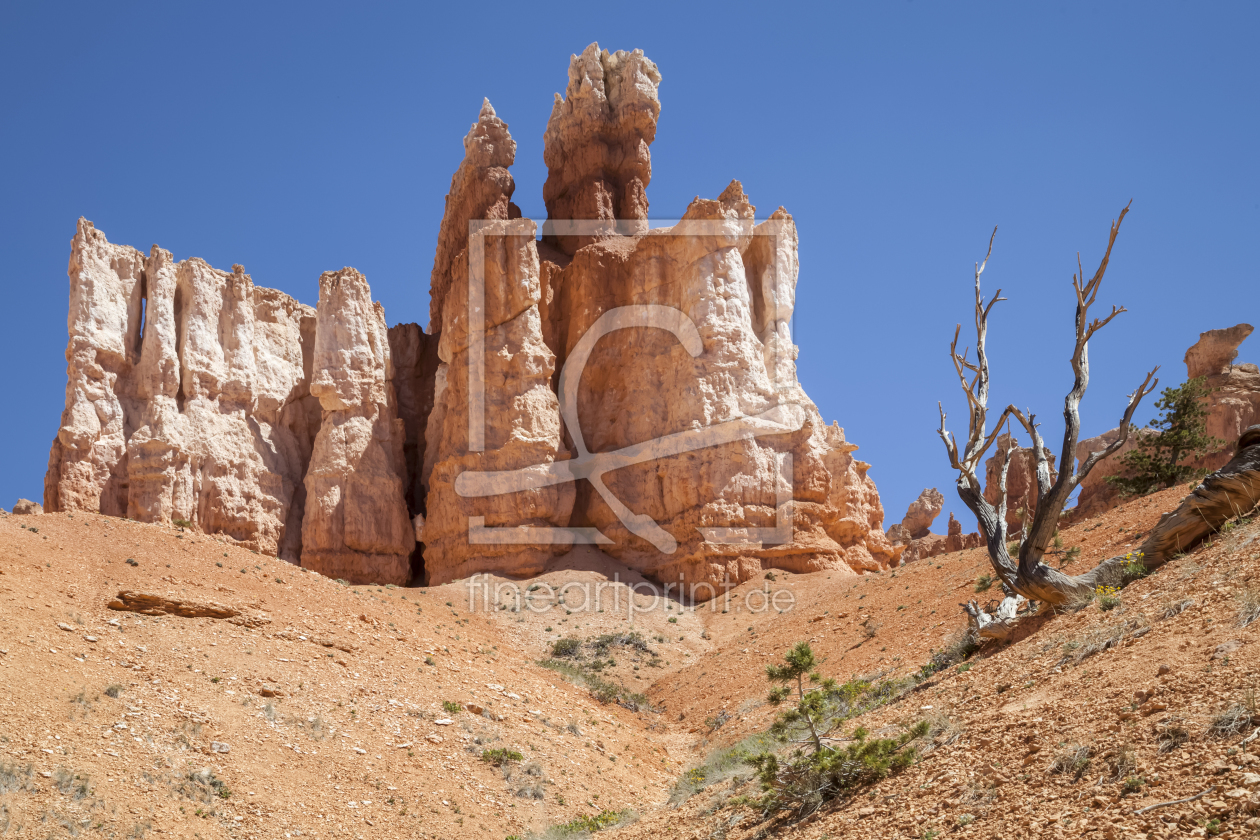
x=186, y=397
x=735, y=282
x=1215, y=351
x=1234, y=403
x=913, y=533
x=917, y=523
x=481, y=188
x=25, y=507
x=501, y=351
x=1232, y=406
x=519, y=410
x=596, y=144
x=356, y=525
x=631, y=387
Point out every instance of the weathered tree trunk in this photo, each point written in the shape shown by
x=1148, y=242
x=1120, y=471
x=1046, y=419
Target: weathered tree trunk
x=1028, y=576
x=1231, y=491
x=1001, y=623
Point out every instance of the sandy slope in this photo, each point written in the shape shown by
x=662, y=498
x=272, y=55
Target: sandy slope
x=344, y=745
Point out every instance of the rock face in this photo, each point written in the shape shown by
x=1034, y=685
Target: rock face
x=1215, y=351
x=25, y=507
x=596, y=144
x=1022, y=491
x=702, y=309
x=913, y=532
x=512, y=368
x=734, y=281
x=609, y=383
x=917, y=522
x=186, y=397
x=1232, y=406
x=356, y=526
x=481, y=188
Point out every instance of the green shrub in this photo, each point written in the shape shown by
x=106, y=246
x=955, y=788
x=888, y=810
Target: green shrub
x=451, y=707
x=803, y=781
x=566, y=648
x=500, y=756
x=589, y=824
x=719, y=766
x=816, y=772
x=633, y=640
x=984, y=582
x=1178, y=434
x=601, y=689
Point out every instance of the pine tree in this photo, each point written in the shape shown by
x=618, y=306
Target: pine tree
x=1179, y=434
x=798, y=662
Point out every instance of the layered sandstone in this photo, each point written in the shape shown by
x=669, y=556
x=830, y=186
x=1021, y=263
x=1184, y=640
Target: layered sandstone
x=718, y=513
x=494, y=371
x=186, y=396
x=356, y=526
x=596, y=144
x=1233, y=405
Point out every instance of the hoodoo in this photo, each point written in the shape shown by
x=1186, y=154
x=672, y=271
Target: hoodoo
x=598, y=380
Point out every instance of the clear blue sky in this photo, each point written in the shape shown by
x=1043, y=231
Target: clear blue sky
x=301, y=138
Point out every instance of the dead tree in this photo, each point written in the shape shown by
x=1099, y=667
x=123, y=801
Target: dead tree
x=1026, y=576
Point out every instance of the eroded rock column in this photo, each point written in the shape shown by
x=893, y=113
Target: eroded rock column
x=356, y=526
x=596, y=144
x=87, y=465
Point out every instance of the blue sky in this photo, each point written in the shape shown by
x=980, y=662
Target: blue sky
x=300, y=138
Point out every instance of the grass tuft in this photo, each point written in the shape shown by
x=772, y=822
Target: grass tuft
x=1075, y=760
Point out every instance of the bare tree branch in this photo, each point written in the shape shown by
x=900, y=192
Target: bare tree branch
x=1147, y=387
x=1029, y=577
x=1054, y=499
